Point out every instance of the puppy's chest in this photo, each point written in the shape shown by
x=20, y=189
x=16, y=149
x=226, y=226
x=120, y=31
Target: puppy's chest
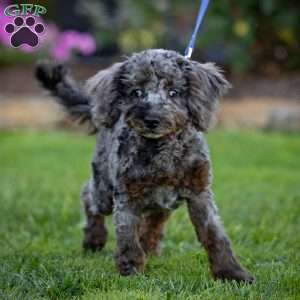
x=161, y=175
x=150, y=161
x=157, y=198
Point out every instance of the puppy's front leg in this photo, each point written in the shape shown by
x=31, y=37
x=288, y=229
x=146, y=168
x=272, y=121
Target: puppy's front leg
x=129, y=256
x=210, y=232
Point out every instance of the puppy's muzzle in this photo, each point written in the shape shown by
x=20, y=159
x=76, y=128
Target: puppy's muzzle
x=148, y=121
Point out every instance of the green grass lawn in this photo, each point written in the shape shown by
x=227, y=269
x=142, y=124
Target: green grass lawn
x=257, y=188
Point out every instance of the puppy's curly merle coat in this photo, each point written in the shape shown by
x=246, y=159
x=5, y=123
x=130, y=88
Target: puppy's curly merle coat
x=149, y=114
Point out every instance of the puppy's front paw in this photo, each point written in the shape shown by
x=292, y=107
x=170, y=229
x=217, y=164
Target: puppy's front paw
x=130, y=264
x=234, y=273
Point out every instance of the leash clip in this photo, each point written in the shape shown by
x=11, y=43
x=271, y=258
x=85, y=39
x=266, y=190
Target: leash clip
x=202, y=10
x=189, y=52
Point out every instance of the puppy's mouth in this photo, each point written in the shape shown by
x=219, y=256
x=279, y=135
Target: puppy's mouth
x=150, y=133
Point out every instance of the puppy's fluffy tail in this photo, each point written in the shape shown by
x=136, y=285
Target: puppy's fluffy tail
x=55, y=78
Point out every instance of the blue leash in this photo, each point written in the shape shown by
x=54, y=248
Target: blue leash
x=202, y=10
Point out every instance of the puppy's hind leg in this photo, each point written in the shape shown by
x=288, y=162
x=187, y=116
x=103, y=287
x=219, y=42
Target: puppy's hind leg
x=95, y=232
x=151, y=232
x=210, y=232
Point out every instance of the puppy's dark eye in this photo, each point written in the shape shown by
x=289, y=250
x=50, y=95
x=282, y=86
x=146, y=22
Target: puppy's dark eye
x=173, y=93
x=137, y=93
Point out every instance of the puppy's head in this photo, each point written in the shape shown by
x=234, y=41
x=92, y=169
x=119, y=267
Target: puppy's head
x=158, y=92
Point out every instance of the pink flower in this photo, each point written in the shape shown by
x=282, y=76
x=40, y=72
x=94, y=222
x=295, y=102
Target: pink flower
x=72, y=40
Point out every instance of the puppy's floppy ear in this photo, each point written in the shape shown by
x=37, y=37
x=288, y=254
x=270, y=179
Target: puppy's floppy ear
x=103, y=90
x=207, y=84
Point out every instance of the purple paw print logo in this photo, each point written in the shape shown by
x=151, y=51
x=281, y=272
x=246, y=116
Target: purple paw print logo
x=24, y=31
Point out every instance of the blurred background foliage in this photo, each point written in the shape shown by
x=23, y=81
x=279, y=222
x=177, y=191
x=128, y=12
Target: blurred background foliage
x=244, y=35
x=250, y=35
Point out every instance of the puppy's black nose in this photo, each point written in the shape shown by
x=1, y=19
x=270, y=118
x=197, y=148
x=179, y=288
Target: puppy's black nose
x=151, y=123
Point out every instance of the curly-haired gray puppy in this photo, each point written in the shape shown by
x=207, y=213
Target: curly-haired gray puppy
x=149, y=113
